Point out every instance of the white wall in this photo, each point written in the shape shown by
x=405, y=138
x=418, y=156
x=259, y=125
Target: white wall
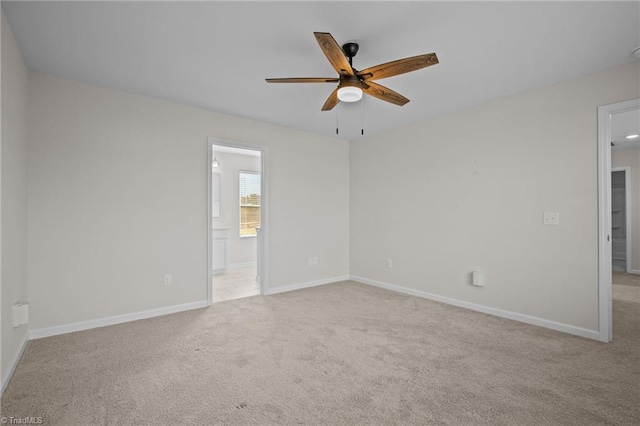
x=468, y=190
x=241, y=250
x=118, y=197
x=630, y=157
x=14, y=196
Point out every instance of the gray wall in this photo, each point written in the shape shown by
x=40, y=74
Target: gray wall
x=118, y=198
x=467, y=191
x=13, y=195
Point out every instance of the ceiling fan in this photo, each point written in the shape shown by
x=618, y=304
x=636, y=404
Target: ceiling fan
x=351, y=82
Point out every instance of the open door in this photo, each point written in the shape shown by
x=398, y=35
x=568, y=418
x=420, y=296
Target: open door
x=612, y=131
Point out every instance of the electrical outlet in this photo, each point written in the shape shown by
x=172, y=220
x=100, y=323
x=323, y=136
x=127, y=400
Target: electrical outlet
x=551, y=218
x=389, y=263
x=168, y=279
x=477, y=278
x=313, y=261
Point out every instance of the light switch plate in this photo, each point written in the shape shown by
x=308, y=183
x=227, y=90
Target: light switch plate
x=551, y=218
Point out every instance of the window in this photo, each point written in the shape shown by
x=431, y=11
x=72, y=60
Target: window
x=249, y=203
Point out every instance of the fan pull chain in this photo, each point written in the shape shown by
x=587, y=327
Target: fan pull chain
x=337, y=108
x=362, y=117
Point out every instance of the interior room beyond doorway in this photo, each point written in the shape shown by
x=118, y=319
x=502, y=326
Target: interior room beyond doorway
x=236, y=212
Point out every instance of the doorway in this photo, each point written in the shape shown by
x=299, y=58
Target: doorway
x=618, y=206
x=621, y=217
x=237, y=221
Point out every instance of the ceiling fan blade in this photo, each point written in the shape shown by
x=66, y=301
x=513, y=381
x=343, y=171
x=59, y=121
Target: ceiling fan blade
x=303, y=80
x=331, y=101
x=334, y=54
x=383, y=93
x=401, y=66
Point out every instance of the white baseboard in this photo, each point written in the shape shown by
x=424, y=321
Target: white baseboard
x=242, y=265
x=116, y=319
x=14, y=364
x=565, y=328
x=308, y=284
x=634, y=271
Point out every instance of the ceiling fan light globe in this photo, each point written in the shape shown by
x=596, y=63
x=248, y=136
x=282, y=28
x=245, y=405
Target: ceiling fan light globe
x=349, y=94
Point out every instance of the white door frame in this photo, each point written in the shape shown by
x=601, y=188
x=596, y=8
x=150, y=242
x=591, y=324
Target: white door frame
x=605, y=307
x=627, y=214
x=264, y=228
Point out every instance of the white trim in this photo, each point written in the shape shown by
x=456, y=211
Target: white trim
x=635, y=271
x=605, y=300
x=604, y=224
x=209, y=223
x=263, y=252
x=628, y=187
x=242, y=265
x=627, y=214
x=116, y=319
x=300, y=286
x=264, y=218
x=527, y=319
x=14, y=364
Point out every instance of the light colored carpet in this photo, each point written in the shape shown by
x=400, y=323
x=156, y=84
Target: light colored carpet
x=340, y=354
x=626, y=279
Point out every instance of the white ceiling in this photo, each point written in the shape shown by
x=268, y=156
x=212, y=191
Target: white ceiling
x=624, y=124
x=216, y=54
